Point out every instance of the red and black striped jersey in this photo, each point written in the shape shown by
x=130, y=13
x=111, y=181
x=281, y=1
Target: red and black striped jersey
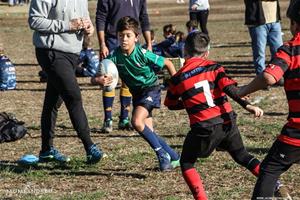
x=198, y=87
x=286, y=63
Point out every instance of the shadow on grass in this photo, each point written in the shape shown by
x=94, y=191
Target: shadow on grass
x=19, y=169
x=12, y=167
x=66, y=170
x=28, y=81
x=258, y=150
x=96, y=132
x=275, y=113
x=86, y=87
x=232, y=45
x=109, y=173
x=25, y=64
x=173, y=135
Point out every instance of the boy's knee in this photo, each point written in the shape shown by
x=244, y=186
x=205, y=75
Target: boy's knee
x=137, y=124
x=241, y=156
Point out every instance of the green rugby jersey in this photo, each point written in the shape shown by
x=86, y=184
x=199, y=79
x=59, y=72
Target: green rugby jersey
x=135, y=69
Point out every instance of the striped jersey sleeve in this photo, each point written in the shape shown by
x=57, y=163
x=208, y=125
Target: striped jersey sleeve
x=280, y=63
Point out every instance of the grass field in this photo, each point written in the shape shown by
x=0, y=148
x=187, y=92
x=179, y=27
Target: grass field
x=130, y=169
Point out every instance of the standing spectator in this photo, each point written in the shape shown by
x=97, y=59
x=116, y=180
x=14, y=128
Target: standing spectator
x=199, y=10
x=107, y=15
x=12, y=2
x=263, y=20
x=59, y=28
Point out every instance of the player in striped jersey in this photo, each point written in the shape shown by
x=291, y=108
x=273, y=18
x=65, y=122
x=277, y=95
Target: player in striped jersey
x=285, y=151
x=200, y=87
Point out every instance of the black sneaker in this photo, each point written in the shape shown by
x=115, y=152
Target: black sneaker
x=94, y=155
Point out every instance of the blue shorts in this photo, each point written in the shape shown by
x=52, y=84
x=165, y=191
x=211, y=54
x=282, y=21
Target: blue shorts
x=149, y=98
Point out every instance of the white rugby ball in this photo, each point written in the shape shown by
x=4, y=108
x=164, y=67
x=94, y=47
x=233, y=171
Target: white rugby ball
x=108, y=67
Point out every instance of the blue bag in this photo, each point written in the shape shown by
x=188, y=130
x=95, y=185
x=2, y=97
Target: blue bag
x=90, y=61
x=7, y=74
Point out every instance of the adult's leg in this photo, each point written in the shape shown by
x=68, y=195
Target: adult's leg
x=52, y=102
x=202, y=18
x=274, y=37
x=194, y=16
x=258, y=36
x=62, y=76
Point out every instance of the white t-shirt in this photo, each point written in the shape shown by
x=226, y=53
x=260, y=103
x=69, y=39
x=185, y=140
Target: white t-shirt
x=270, y=11
x=201, y=4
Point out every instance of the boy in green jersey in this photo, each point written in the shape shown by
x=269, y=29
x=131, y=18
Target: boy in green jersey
x=134, y=66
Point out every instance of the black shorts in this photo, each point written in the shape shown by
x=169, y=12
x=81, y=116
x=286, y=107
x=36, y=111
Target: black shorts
x=284, y=155
x=201, y=142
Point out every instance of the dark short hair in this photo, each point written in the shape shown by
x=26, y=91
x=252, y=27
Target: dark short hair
x=170, y=29
x=196, y=43
x=192, y=24
x=293, y=11
x=128, y=23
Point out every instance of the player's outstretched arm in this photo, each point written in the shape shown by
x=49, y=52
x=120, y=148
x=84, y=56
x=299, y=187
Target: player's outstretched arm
x=254, y=110
x=261, y=81
x=170, y=67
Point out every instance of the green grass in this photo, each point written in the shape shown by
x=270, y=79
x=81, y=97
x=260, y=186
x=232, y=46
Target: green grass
x=130, y=170
x=97, y=195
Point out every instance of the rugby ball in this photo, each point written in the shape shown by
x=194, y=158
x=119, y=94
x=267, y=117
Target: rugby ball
x=108, y=67
x=28, y=160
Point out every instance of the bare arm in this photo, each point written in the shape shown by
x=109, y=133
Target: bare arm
x=170, y=67
x=104, y=51
x=147, y=37
x=259, y=82
x=101, y=17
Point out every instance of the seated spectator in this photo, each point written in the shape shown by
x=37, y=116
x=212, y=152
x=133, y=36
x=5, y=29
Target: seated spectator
x=155, y=48
x=169, y=46
x=88, y=60
x=191, y=26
